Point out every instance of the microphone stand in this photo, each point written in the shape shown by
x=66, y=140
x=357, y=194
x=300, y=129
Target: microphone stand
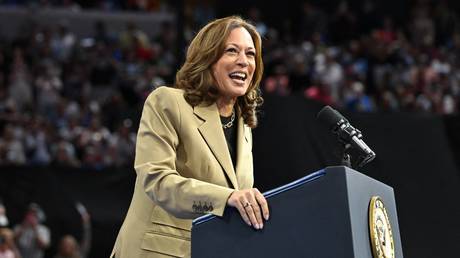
x=346, y=158
x=345, y=136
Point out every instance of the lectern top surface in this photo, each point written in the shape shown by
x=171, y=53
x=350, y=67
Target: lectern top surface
x=301, y=181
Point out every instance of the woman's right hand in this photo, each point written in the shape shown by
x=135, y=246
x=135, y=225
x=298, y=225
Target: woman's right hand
x=252, y=205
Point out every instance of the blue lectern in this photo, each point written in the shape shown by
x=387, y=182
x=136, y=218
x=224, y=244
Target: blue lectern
x=325, y=214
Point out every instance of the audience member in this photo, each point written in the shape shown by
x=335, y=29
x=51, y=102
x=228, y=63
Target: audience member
x=4, y=222
x=32, y=237
x=8, y=248
x=69, y=246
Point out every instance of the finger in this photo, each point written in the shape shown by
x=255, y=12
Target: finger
x=249, y=210
x=243, y=214
x=257, y=211
x=242, y=211
x=263, y=203
x=254, y=210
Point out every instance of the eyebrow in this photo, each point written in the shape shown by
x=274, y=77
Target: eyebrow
x=236, y=45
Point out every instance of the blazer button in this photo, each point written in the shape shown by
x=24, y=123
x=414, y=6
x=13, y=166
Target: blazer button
x=194, y=207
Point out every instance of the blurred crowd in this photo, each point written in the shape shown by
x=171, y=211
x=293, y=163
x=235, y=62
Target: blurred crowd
x=71, y=101
x=74, y=102
x=104, y=5
x=363, y=59
x=31, y=238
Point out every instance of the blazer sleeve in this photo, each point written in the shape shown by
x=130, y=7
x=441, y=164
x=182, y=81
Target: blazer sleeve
x=156, y=145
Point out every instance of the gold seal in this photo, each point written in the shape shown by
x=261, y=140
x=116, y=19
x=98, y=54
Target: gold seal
x=380, y=230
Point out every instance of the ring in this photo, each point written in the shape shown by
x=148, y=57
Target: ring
x=247, y=204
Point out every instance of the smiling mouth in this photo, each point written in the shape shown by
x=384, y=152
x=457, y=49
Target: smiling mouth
x=238, y=76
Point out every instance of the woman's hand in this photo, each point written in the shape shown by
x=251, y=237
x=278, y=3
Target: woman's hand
x=252, y=205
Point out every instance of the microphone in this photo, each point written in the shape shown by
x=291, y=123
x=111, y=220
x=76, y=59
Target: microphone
x=346, y=133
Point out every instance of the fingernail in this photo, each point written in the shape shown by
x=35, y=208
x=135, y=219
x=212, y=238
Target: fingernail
x=266, y=217
x=261, y=226
x=256, y=226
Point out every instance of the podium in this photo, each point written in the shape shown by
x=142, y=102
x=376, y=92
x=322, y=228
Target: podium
x=322, y=215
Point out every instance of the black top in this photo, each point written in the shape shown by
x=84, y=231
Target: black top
x=230, y=135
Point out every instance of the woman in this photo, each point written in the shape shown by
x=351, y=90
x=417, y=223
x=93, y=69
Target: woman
x=194, y=144
x=8, y=248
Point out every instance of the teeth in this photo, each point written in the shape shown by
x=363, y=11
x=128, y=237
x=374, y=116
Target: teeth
x=241, y=76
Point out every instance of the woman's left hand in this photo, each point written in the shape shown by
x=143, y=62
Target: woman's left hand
x=251, y=205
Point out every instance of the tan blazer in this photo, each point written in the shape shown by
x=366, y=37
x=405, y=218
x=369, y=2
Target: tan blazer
x=184, y=170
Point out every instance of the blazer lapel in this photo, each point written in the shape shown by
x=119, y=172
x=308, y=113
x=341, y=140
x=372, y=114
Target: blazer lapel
x=242, y=140
x=211, y=131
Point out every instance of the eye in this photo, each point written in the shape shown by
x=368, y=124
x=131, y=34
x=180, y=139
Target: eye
x=231, y=50
x=251, y=53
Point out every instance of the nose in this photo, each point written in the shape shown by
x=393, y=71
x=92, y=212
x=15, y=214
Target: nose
x=242, y=59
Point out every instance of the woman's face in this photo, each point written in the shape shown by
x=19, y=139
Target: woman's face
x=234, y=70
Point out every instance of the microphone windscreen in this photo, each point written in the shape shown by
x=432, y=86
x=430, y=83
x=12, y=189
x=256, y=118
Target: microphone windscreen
x=329, y=116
